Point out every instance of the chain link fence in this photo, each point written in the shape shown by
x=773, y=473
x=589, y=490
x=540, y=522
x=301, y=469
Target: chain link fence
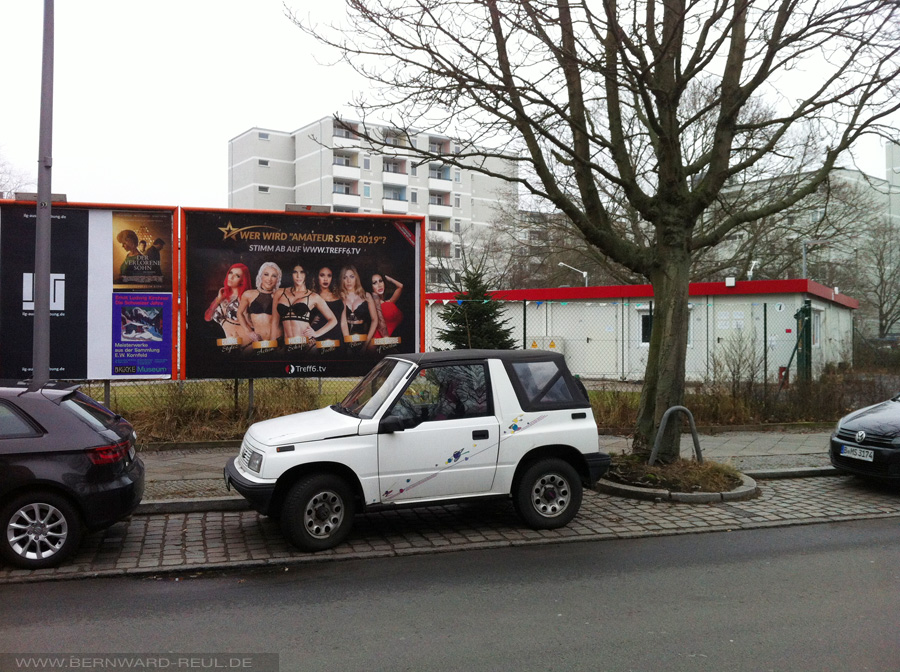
x=734, y=347
x=727, y=340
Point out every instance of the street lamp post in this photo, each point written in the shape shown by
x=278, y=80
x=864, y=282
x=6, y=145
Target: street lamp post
x=577, y=270
x=807, y=243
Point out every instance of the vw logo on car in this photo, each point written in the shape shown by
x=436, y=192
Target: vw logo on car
x=860, y=437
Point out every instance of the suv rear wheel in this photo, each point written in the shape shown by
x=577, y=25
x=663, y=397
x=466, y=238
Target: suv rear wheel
x=549, y=494
x=318, y=512
x=41, y=529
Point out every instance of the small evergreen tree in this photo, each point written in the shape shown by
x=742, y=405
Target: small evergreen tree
x=475, y=320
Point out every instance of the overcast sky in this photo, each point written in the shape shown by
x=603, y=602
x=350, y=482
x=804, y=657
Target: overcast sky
x=147, y=95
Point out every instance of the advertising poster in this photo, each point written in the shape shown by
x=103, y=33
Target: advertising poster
x=68, y=292
x=289, y=295
x=142, y=251
x=142, y=334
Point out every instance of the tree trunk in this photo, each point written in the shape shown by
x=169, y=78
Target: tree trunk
x=664, y=377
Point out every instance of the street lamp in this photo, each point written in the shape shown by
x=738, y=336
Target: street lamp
x=809, y=243
x=577, y=270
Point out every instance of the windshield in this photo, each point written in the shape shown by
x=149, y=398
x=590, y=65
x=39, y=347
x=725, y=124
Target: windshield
x=366, y=398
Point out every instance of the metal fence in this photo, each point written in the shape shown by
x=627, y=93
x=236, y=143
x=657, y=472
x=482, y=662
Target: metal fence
x=727, y=340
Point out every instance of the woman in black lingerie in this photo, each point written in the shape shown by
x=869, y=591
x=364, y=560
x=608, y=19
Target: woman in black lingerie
x=359, y=317
x=255, y=309
x=326, y=286
x=294, y=308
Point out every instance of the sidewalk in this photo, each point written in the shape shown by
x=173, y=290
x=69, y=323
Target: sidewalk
x=188, y=521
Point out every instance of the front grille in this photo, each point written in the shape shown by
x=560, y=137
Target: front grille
x=874, y=440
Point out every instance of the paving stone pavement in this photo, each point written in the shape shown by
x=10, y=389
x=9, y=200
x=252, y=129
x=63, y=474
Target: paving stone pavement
x=207, y=539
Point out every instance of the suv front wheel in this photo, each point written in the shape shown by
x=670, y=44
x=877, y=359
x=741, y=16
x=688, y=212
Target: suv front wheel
x=549, y=494
x=318, y=512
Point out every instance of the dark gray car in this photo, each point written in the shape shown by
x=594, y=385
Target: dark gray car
x=67, y=465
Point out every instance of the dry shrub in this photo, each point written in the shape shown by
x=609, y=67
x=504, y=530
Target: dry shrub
x=679, y=476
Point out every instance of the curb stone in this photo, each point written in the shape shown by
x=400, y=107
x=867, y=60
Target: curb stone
x=747, y=490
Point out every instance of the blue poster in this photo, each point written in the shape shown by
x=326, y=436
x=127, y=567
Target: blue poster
x=142, y=334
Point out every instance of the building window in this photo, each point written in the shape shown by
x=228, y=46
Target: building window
x=263, y=136
x=342, y=188
x=439, y=225
x=439, y=250
x=816, y=328
x=457, y=175
x=435, y=199
x=342, y=160
x=457, y=251
x=413, y=196
x=414, y=171
x=263, y=190
x=264, y=162
x=457, y=201
x=341, y=132
x=367, y=163
x=435, y=172
x=394, y=194
x=367, y=190
x=646, y=327
x=457, y=225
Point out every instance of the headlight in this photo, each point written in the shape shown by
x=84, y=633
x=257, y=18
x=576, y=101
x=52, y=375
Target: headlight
x=255, y=462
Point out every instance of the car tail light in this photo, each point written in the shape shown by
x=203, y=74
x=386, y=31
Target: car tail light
x=108, y=454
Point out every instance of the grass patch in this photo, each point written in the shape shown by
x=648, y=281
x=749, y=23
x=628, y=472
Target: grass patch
x=679, y=476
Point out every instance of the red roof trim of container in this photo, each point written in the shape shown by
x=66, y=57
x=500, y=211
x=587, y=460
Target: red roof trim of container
x=741, y=288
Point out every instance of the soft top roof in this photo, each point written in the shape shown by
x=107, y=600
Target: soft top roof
x=460, y=355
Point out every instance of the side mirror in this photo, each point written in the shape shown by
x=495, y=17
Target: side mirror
x=390, y=424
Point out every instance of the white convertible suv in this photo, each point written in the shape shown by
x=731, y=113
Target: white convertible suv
x=426, y=428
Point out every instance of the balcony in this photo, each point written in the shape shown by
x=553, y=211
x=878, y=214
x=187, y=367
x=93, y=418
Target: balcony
x=345, y=200
x=344, y=142
x=398, y=179
x=393, y=206
x=345, y=172
x=440, y=210
x=440, y=236
x=440, y=184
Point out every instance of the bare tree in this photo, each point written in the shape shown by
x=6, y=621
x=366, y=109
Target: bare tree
x=12, y=179
x=877, y=260
x=663, y=105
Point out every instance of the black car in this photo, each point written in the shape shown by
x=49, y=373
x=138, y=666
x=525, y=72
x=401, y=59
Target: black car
x=867, y=442
x=67, y=465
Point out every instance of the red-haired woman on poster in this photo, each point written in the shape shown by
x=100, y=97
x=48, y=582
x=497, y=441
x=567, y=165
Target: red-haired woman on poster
x=224, y=308
x=391, y=316
x=294, y=308
x=359, y=319
x=255, y=309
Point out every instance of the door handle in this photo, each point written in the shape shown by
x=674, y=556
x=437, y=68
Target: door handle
x=481, y=434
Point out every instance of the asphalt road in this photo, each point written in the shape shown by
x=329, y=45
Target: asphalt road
x=816, y=598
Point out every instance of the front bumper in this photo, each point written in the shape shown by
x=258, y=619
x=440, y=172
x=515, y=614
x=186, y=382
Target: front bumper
x=598, y=464
x=885, y=462
x=258, y=494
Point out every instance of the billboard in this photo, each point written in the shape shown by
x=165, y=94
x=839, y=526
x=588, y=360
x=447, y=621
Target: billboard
x=111, y=304
x=272, y=294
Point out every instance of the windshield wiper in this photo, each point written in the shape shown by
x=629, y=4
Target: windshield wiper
x=341, y=409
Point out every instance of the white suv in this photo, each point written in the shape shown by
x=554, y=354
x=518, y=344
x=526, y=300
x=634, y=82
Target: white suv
x=426, y=428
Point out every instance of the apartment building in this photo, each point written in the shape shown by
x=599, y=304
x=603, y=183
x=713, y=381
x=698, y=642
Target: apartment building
x=329, y=163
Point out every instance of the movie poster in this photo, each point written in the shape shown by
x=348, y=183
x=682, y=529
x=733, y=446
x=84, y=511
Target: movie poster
x=68, y=292
x=142, y=251
x=282, y=295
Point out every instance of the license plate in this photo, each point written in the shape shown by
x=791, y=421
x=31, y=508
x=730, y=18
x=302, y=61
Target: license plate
x=858, y=453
